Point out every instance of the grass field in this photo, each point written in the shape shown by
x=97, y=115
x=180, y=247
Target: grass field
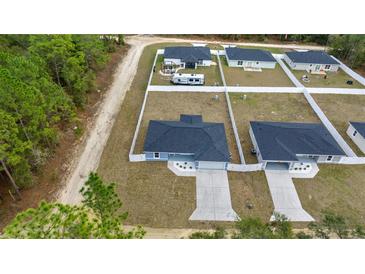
x=336, y=187
x=340, y=109
x=169, y=106
x=211, y=73
x=266, y=78
x=267, y=107
x=334, y=79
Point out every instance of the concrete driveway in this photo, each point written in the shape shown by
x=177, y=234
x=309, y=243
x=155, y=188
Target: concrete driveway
x=285, y=197
x=213, y=198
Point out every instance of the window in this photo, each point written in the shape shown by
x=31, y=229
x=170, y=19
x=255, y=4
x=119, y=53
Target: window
x=239, y=63
x=329, y=158
x=196, y=80
x=327, y=66
x=191, y=80
x=354, y=134
x=156, y=155
x=257, y=63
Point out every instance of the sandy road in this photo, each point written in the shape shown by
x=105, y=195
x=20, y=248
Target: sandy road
x=88, y=155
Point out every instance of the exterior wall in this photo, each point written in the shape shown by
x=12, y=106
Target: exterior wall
x=178, y=62
x=357, y=139
x=254, y=143
x=174, y=61
x=251, y=64
x=164, y=156
x=307, y=67
x=323, y=159
x=206, y=63
x=211, y=165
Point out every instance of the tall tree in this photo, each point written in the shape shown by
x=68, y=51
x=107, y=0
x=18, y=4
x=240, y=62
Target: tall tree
x=12, y=150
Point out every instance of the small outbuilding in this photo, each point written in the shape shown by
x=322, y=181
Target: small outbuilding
x=187, y=57
x=250, y=58
x=190, y=139
x=293, y=146
x=356, y=131
x=312, y=61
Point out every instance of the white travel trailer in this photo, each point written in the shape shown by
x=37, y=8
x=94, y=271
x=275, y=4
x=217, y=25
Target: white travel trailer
x=187, y=79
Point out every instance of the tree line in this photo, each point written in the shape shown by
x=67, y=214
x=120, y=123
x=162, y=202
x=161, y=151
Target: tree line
x=43, y=80
x=330, y=225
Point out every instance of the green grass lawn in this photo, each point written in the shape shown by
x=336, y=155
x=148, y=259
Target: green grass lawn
x=211, y=73
x=339, y=188
x=334, y=79
x=266, y=78
x=285, y=107
x=340, y=109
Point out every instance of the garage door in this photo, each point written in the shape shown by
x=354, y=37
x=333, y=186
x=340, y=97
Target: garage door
x=211, y=165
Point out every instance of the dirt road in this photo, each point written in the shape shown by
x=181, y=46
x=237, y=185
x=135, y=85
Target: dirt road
x=89, y=153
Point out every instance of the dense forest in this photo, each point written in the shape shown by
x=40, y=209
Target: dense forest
x=44, y=79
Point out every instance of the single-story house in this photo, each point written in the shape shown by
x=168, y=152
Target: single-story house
x=293, y=146
x=249, y=58
x=190, y=140
x=311, y=61
x=356, y=131
x=187, y=57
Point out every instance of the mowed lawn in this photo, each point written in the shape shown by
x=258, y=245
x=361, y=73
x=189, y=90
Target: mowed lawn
x=284, y=107
x=169, y=106
x=340, y=109
x=339, y=188
x=334, y=79
x=266, y=78
x=211, y=73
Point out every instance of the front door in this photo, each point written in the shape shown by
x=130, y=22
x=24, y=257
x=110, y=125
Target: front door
x=317, y=67
x=249, y=64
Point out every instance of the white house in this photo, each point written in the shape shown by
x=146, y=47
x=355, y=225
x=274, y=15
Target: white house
x=356, y=131
x=187, y=57
x=293, y=146
x=249, y=58
x=189, y=140
x=311, y=61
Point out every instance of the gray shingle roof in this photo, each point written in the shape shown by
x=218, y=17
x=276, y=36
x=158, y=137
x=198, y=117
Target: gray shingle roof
x=188, y=54
x=279, y=141
x=207, y=141
x=311, y=57
x=360, y=127
x=249, y=55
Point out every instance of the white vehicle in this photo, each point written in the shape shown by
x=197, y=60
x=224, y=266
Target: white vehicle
x=187, y=79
